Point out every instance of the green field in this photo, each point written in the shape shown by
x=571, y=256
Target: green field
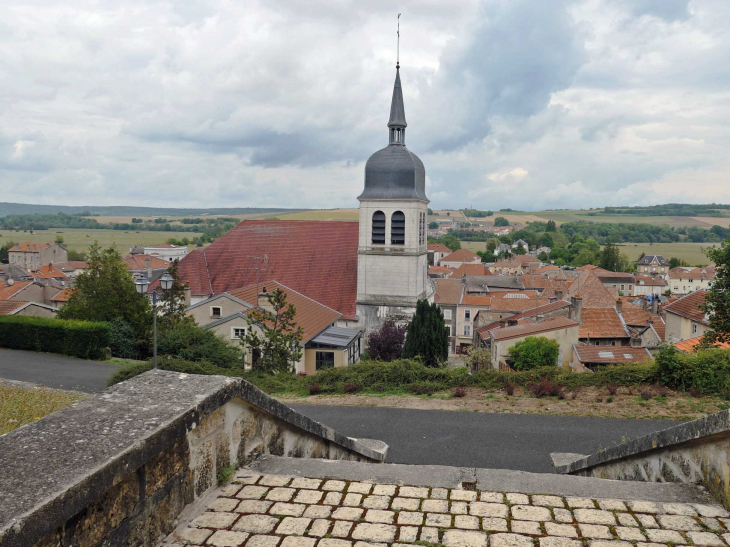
x=325, y=214
x=690, y=252
x=474, y=246
x=80, y=239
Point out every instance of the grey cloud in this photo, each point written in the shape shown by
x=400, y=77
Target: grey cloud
x=670, y=10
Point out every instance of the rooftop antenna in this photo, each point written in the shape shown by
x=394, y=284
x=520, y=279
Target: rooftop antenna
x=397, y=50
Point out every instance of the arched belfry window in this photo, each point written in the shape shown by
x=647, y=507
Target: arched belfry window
x=398, y=228
x=379, y=228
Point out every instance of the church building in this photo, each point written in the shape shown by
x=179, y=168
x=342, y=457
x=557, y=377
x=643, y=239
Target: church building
x=370, y=272
x=392, y=254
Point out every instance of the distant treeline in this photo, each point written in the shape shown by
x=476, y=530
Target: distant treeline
x=477, y=213
x=671, y=209
x=642, y=233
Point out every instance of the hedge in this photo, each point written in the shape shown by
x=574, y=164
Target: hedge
x=707, y=371
x=403, y=375
x=74, y=338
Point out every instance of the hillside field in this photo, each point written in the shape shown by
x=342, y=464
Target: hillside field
x=690, y=252
x=324, y=214
x=80, y=239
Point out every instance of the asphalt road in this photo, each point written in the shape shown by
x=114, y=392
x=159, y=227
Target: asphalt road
x=520, y=442
x=55, y=371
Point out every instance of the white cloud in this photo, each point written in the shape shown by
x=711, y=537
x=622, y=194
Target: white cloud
x=510, y=103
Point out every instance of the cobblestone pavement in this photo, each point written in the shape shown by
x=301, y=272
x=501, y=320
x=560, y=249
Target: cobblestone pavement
x=277, y=511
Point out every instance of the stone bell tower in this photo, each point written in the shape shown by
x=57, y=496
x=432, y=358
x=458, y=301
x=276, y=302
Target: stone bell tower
x=392, y=265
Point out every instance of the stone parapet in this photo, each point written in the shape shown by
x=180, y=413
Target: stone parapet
x=119, y=467
x=696, y=452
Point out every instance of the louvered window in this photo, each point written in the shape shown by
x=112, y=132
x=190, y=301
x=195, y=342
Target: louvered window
x=398, y=228
x=379, y=228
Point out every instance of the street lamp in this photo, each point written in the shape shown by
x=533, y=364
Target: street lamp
x=142, y=284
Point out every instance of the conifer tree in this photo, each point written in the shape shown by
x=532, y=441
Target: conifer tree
x=717, y=302
x=427, y=336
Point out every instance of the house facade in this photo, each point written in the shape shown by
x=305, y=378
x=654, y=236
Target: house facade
x=683, y=280
x=652, y=265
x=31, y=256
x=685, y=317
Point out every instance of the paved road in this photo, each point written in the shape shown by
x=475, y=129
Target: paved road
x=55, y=371
x=469, y=439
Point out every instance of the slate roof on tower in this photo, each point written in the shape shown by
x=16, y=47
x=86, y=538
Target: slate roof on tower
x=316, y=258
x=395, y=172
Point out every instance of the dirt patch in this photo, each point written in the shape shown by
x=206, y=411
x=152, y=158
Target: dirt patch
x=586, y=401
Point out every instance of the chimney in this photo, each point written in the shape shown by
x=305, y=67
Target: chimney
x=576, y=308
x=148, y=267
x=540, y=317
x=654, y=305
x=559, y=294
x=552, y=299
x=619, y=306
x=502, y=323
x=263, y=301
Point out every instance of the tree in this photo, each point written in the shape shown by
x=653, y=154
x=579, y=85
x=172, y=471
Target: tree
x=451, y=241
x=478, y=359
x=547, y=240
x=76, y=255
x=427, y=336
x=433, y=225
x=610, y=257
x=448, y=213
x=717, y=301
x=675, y=262
x=278, y=349
x=586, y=256
x=172, y=302
x=551, y=227
x=520, y=250
x=58, y=241
x=534, y=352
x=430, y=212
x=501, y=221
x=386, y=343
x=492, y=244
x=105, y=291
x=5, y=248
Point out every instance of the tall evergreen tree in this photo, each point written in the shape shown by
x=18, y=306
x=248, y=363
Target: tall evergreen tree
x=717, y=303
x=610, y=257
x=427, y=336
x=172, y=302
x=551, y=227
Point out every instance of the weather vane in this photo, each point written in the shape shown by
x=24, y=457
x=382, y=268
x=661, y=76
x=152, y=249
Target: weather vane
x=397, y=49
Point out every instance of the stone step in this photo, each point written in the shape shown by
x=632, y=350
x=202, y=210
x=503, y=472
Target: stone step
x=499, y=480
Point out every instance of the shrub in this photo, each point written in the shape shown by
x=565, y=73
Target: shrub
x=459, y=392
x=707, y=370
x=694, y=392
x=478, y=359
x=123, y=340
x=612, y=389
x=421, y=390
x=534, y=352
x=352, y=387
x=509, y=389
x=192, y=343
x=645, y=394
x=386, y=343
x=315, y=388
x=83, y=339
x=545, y=387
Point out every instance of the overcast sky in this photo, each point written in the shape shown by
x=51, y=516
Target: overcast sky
x=528, y=104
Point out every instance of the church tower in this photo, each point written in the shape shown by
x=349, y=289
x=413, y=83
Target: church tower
x=392, y=265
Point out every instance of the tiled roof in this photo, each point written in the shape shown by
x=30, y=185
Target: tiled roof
x=71, y=265
x=548, y=268
x=659, y=326
x=448, y=291
x=48, y=272
x=648, y=259
x=635, y=315
x=532, y=329
x=614, y=277
x=610, y=354
x=29, y=247
x=8, y=291
x=316, y=258
x=535, y=281
x=556, y=285
x=462, y=255
x=590, y=267
x=482, y=283
x=689, y=345
x=515, y=305
x=7, y=307
x=438, y=248
x=471, y=269
x=515, y=261
x=440, y=270
x=540, y=310
x=312, y=316
x=648, y=281
x=613, y=291
x=692, y=273
x=601, y=323
x=689, y=307
x=138, y=262
x=63, y=296
x=594, y=293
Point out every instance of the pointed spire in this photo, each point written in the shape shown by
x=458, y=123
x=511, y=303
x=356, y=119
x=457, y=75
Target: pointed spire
x=397, y=112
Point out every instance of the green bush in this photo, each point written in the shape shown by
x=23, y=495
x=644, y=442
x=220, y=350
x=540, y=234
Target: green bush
x=192, y=343
x=74, y=338
x=124, y=342
x=706, y=370
x=534, y=352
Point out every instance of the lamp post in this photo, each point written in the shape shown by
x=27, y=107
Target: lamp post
x=142, y=285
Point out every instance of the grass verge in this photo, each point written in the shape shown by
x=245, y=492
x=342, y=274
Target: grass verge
x=20, y=405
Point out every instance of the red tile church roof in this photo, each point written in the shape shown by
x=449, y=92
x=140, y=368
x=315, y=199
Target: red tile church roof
x=316, y=258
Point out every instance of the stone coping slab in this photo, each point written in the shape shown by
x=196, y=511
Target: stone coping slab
x=284, y=510
x=58, y=465
x=503, y=480
x=695, y=431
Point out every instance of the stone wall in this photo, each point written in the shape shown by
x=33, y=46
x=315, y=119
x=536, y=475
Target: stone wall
x=118, y=468
x=696, y=452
